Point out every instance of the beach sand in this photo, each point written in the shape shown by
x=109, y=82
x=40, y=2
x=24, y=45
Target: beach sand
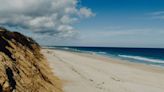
x=82, y=72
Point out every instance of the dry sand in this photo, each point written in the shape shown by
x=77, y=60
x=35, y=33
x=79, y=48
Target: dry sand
x=92, y=73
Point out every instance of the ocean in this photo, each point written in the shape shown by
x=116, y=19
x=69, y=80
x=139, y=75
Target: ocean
x=152, y=56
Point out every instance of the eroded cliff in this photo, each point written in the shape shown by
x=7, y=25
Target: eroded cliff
x=22, y=67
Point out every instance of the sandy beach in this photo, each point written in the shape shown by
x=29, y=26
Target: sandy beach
x=92, y=73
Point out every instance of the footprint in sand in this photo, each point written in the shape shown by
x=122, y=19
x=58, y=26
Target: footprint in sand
x=113, y=78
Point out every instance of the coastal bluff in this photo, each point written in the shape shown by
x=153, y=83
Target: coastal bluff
x=22, y=66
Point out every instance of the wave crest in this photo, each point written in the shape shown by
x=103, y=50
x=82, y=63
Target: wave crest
x=142, y=58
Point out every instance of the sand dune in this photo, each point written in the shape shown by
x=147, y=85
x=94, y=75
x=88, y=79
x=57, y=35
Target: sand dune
x=90, y=73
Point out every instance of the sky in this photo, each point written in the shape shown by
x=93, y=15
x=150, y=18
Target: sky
x=109, y=23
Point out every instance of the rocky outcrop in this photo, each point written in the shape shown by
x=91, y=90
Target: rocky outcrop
x=22, y=67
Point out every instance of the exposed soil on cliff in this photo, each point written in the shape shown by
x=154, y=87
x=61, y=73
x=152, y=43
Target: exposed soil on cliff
x=22, y=67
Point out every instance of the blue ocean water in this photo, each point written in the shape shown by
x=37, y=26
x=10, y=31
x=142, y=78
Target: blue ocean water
x=153, y=56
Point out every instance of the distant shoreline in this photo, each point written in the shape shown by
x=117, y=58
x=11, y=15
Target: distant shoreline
x=106, y=47
x=116, y=59
x=134, y=55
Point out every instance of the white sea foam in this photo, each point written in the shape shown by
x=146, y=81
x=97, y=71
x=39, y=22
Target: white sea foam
x=101, y=52
x=66, y=48
x=142, y=58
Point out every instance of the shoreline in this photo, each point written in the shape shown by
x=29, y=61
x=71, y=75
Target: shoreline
x=98, y=73
x=107, y=58
x=117, y=58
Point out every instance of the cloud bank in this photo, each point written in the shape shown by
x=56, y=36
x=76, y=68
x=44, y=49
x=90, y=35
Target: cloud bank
x=51, y=17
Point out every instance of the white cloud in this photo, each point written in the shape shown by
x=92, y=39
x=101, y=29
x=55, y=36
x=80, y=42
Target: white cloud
x=85, y=12
x=157, y=15
x=54, y=16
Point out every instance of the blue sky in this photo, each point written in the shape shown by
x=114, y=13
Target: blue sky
x=111, y=23
x=127, y=23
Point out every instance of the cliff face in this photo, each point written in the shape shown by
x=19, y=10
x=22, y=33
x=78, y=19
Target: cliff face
x=22, y=66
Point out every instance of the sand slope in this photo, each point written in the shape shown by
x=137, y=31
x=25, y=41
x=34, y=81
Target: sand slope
x=22, y=66
x=90, y=73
